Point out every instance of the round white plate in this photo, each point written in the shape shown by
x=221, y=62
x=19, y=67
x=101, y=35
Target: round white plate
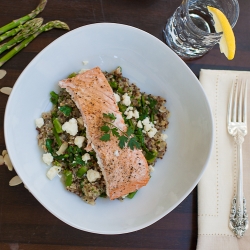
x=150, y=64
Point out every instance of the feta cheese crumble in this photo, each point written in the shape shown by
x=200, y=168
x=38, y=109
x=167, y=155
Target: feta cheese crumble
x=149, y=127
x=39, y=122
x=47, y=158
x=146, y=121
x=79, y=141
x=152, y=132
x=130, y=113
x=117, y=97
x=151, y=168
x=164, y=137
x=70, y=127
x=126, y=99
x=86, y=157
x=83, y=71
x=85, y=62
x=116, y=153
x=136, y=114
x=139, y=124
x=128, y=109
x=53, y=171
x=93, y=175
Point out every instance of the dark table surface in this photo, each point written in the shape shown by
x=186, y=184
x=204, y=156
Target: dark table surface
x=24, y=223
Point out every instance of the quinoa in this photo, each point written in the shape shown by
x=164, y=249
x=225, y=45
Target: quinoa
x=74, y=169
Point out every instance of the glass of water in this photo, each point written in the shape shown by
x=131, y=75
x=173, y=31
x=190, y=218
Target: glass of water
x=190, y=31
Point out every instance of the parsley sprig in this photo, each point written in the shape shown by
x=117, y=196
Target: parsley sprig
x=125, y=138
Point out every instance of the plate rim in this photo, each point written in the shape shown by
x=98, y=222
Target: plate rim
x=148, y=223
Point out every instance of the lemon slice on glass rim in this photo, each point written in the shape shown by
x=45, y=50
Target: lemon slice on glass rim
x=221, y=24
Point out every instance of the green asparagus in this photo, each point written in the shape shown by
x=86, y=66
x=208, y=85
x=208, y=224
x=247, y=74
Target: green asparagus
x=13, y=32
x=24, y=19
x=46, y=27
x=30, y=29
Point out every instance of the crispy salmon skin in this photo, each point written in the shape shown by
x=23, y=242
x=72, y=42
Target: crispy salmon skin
x=126, y=171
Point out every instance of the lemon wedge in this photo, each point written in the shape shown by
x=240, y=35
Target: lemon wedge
x=227, y=42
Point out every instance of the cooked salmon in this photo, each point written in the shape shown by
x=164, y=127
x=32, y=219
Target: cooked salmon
x=125, y=171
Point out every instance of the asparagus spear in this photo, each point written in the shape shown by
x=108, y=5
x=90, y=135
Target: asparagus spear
x=11, y=32
x=29, y=29
x=46, y=27
x=24, y=19
x=14, y=31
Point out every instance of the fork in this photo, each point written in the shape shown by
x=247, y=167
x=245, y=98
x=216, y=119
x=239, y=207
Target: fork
x=237, y=127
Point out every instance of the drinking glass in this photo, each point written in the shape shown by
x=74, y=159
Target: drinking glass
x=190, y=31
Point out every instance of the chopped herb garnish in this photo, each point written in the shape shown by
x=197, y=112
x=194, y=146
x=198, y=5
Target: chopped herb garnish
x=105, y=137
x=130, y=131
x=142, y=100
x=152, y=102
x=66, y=110
x=111, y=116
x=59, y=157
x=122, y=141
x=122, y=107
x=103, y=195
x=120, y=90
x=140, y=137
x=123, y=137
x=72, y=75
x=105, y=129
x=113, y=84
x=133, y=143
x=115, y=132
x=151, y=156
x=48, y=144
x=79, y=161
x=53, y=97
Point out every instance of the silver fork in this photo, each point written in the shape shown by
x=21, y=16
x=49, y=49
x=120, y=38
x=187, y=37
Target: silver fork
x=237, y=127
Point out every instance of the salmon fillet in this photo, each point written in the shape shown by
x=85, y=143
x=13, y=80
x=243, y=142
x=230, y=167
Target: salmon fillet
x=93, y=96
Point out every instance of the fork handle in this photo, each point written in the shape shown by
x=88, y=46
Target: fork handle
x=239, y=196
x=238, y=217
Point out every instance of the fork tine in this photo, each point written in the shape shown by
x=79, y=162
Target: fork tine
x=240, y=103
x=229, y=111
x=245, y=103
x=235, y=103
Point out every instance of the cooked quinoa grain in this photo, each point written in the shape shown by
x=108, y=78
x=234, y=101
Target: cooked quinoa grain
x=145, y=113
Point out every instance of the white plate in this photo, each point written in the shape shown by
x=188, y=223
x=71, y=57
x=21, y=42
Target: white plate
x=149, y=63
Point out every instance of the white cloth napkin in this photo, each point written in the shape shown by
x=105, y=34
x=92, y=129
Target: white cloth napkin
x=218, y=184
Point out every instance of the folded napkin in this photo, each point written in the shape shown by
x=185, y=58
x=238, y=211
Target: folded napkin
x=218, y=184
